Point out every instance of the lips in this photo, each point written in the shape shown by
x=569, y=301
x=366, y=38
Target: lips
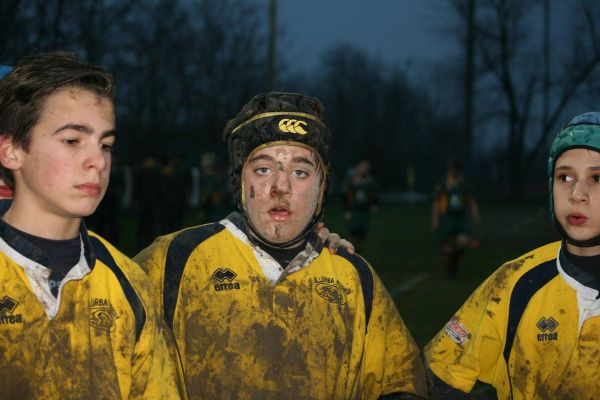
x=91, y=189
x=280, y=213
x=5, y=191
x=576, y=219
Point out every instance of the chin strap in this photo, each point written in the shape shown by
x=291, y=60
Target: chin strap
x=258, y=238
x=595, y=241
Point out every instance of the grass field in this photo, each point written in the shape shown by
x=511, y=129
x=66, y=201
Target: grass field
x=406, y=254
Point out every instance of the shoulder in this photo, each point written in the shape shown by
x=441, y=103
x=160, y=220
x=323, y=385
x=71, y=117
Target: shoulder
x=132, y=280
x=364, y=272
x=354, y=261
x=514, y=269
x=115, y=260
x=192, y=237
x=531, y=270
x=179, y=243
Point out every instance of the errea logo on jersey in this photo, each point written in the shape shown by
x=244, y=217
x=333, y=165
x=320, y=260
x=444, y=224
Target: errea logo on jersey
x=225, y=277
x=7, y=309
x=292, y=126
x=548, y=326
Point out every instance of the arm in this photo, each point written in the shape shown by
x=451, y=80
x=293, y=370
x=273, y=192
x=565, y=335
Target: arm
x=155, y=373
x=435, y=221
x=392, y=367
x=469, y=347
x=163, y=365
x=474, y=210
x=435, y=208
x=440, y=390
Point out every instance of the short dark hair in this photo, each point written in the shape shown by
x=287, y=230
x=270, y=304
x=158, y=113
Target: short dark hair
x=24, y=90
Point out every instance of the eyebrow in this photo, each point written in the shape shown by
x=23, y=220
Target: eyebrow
x=568, y=167
x=303, y=160
x=261, y=157
x=84, y=129
x=265, y=157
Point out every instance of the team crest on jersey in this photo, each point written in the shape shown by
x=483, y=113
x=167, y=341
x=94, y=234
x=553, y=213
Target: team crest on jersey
x=331, y=290
x=548, y=327
x=225, y=279
x=7, y=312
x=457, y=331
x=102, y=314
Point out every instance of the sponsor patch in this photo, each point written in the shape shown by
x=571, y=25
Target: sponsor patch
x=331, y=290
x=457, y=331
x=102, y=314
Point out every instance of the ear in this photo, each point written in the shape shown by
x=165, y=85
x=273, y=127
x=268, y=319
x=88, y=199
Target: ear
x=10, y=156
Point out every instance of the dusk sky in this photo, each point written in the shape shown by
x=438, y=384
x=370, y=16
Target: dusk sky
x=399, y=32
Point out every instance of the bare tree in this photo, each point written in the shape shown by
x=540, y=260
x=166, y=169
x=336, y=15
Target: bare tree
x=513, y=83
x=376, y=113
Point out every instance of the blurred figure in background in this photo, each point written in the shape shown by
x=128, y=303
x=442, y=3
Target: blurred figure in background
x=172, y=195
x=361, y=199
x=146, y=185
x=211, y=188
x=454, y=208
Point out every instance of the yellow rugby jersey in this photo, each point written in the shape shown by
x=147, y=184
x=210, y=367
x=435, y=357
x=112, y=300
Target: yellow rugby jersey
x=99, y=339
x=532, y=330
x=323, y=328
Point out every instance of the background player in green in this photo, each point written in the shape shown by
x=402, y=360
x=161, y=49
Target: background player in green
x=361, y=199
x=259, y=308
x=76, y=318
x=532, y=329
x=454, y=208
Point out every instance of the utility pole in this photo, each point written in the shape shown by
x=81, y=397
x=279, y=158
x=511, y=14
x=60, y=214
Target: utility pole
x=272, y=72
x=469, y=80
x=546, y=55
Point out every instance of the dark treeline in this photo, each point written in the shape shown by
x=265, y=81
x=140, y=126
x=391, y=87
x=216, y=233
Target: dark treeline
x=183, y=67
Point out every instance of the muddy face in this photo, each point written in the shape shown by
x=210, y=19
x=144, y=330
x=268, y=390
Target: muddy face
x=282, y=191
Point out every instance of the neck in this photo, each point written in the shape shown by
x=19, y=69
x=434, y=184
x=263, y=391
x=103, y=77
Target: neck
x=583, y=251
x=290, y=244
x=45, y=226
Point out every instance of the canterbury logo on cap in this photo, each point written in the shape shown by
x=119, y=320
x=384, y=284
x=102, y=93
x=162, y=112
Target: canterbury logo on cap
x=292, y=126
x=297, y=129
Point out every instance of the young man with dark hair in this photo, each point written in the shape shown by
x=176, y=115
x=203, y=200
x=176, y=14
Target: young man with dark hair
x=258, y=307
x=76, y=318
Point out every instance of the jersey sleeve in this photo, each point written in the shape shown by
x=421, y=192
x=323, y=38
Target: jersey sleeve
x=392, y=364
x=155, y=373
x=469, y=347
x=152, y=261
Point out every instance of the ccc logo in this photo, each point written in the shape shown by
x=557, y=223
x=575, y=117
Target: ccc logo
x=292, y=126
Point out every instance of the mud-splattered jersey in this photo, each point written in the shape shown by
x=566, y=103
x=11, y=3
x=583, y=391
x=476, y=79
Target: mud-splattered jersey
x=99, y=339
x=323, y=328
x=532, y=330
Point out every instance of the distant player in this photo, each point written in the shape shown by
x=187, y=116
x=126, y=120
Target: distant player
x=361, y=199
x=453, y=211
x=532, y=329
